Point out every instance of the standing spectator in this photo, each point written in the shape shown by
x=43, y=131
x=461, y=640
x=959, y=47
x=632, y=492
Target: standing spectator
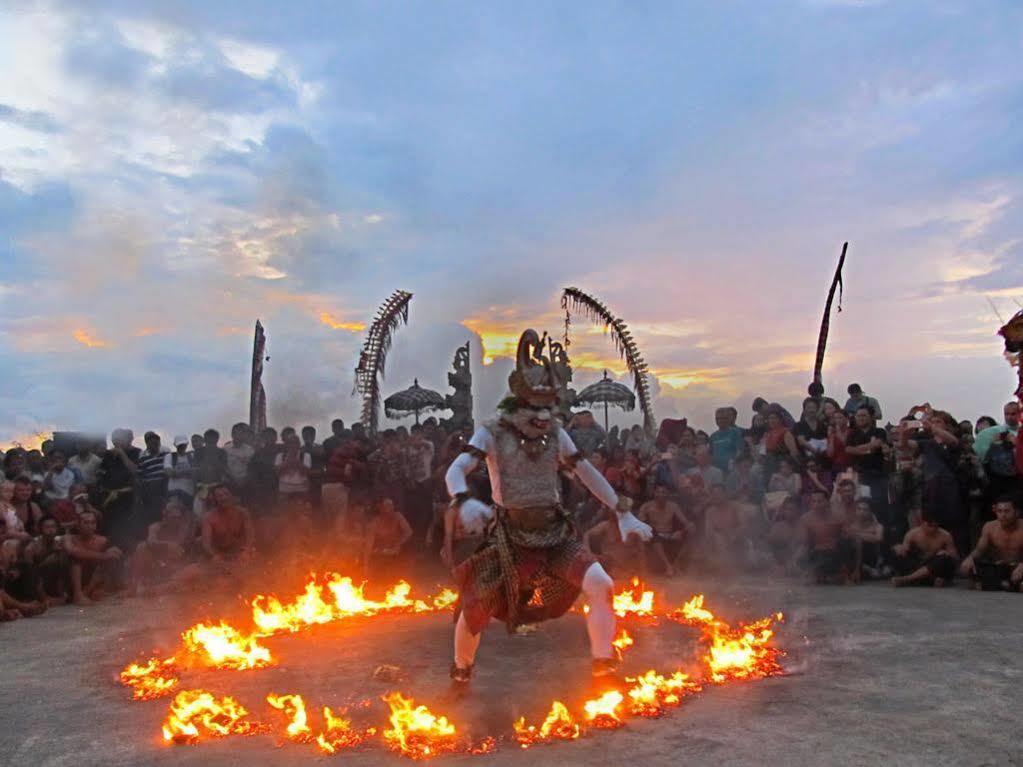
x=338, y=435
x=995, y=446
x=858, y=399
x=811, y=432
x=117, y=482
x=263, y=471
x=210, y=468
x=419, y=460
x=59, y=479
x=779, y=443
x=239, y=452
x=317, y=462
x=764, y=408
x=86, y=463
x=984, y=422
x=14, y=463
x=838, y=438
x=180, y=469
x=727, y=441
x=198, y=443
x=389, y=469
x=865, y=448
x=292, y=465
x=937, y=446
x=586, y=433
x=152, y=482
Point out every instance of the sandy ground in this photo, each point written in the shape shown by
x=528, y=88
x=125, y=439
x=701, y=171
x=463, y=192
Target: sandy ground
x=877, y=676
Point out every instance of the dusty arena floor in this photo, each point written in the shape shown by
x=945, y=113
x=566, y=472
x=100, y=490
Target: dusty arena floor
x=877, y=676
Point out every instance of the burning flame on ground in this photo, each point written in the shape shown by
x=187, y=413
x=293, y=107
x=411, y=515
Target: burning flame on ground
x=339, y=733
x=733, y=653
x=742, y=652
x=651, y=693
x=415, y=731
x=198, y=713
x=154, y=679
x=603, y=712
x=294, y=708
x=223, y=646
x=634, y=601
x=346, y=600
x=623, y=641
x=559, y=725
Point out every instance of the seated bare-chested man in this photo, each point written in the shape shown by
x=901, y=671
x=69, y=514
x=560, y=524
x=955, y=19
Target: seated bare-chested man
x=783, y=537
x=162, y=560
x=46, y=555
x=830, y=547
x=672, y=531
x=387, y=532
x=926, y=556
x=724, y=536
x=621, y=558
x=997, y=560
x=92, y=559
x=228, y=536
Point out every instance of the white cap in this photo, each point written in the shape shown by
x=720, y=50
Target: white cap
x=181, y=439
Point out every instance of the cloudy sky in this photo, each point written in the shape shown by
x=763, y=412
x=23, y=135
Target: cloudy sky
x=169, y=172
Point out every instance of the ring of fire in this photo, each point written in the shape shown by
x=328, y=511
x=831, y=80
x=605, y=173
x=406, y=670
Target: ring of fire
x=743, y=652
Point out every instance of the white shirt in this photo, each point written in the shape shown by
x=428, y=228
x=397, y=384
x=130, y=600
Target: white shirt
x=294, y=481
x=238, y=457
x=59, y=486
x=180, y=478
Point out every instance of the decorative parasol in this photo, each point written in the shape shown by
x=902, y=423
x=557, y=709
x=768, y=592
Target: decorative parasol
x=415, y=399
x=607, y=392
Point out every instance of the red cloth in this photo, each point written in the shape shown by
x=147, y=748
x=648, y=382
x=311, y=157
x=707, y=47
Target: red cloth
x=671, y=431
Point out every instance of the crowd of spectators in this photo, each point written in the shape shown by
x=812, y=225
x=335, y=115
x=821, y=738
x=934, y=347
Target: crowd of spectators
x=832, y=496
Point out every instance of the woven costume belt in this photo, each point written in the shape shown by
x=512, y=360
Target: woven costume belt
x=533, y=517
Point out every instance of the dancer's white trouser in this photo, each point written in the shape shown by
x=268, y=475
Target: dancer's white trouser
x=600, y=620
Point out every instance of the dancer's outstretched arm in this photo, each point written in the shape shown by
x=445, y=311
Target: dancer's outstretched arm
x=595, y=482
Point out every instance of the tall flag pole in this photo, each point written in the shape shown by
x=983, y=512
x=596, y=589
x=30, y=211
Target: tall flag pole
x=257, y=394
x=817, y=386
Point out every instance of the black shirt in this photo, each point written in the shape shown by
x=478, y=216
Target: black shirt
x=804, y=430
x=115, y=474
x=873, y=462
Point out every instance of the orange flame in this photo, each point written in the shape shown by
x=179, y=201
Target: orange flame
x=294, y=708
x=602, y=712
x=197, y=713
x=223, y=646
x=651, y=693
x=339, y=733
x=634, y=601
x=152, y=680
x=445, y=599
x=623, y=641
x=415, y=731
x=742, y=652
x=559, y=725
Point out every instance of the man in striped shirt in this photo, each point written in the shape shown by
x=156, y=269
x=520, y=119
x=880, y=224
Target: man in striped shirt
x=152, y=479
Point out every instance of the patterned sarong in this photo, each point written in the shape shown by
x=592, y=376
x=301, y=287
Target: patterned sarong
x=522, y=575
